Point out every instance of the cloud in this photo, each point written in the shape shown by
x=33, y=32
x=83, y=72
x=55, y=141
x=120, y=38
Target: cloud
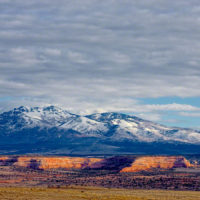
x=119, y=58
x=53, y=52
x=170, y=107
x=99, y=55
x=190, y=114
x=77, y=57
x=150, y=116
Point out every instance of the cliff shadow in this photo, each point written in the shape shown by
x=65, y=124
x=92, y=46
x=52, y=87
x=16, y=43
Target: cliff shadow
x=8, y=162
x=116, y=163
x=34, y=164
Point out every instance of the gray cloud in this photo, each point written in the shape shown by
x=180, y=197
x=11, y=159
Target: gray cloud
x=89, y=54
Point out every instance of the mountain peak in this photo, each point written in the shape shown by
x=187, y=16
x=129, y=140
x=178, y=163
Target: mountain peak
x=51, y=108
x=107, y=116
x=22, y=109
x=51, y=123
x=48, y=109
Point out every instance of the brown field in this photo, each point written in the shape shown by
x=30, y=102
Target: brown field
x=93, y=193
x=11, y=176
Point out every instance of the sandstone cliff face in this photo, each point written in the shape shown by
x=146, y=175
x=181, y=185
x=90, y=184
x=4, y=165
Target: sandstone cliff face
x=3, y=158
x=7, y=161
x=40, y=162
x=56, y=162
x=152, y=162
x=122, y=164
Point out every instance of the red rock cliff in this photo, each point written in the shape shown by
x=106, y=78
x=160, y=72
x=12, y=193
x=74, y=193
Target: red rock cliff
x=3, y=158
x=150, y=162
x=56, y=162
x=122, y=164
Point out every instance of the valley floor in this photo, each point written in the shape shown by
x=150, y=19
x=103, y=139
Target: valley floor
x=179, y=179
x=92, y=193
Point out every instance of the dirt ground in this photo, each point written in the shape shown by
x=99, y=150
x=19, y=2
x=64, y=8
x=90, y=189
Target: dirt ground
x=93, y=193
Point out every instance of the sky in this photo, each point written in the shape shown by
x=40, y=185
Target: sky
x=136, y=57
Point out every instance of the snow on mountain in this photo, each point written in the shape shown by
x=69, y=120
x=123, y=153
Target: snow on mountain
x=112, y=126
x=134, y=128
x=50, y=117
x=26, y=117
x=85, y=126
x=47, y=116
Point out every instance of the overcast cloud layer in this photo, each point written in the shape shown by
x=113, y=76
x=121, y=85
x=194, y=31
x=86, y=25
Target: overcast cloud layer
x=99, y=55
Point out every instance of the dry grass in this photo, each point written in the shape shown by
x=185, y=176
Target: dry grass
x=92, y=193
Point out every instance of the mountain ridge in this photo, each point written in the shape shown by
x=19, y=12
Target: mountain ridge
x=107, y=132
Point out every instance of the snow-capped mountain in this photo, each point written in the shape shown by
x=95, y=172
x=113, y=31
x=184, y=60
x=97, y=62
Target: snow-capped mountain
x=44, y=129
x=135, y=128
x=25, y=117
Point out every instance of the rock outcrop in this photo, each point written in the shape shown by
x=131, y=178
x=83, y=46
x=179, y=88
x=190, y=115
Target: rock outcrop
x=147, y=163
x=56, y=162
x=3, y=158
x=118, y=163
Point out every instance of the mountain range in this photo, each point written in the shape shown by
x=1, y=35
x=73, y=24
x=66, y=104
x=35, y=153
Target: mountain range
x=52, y=130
